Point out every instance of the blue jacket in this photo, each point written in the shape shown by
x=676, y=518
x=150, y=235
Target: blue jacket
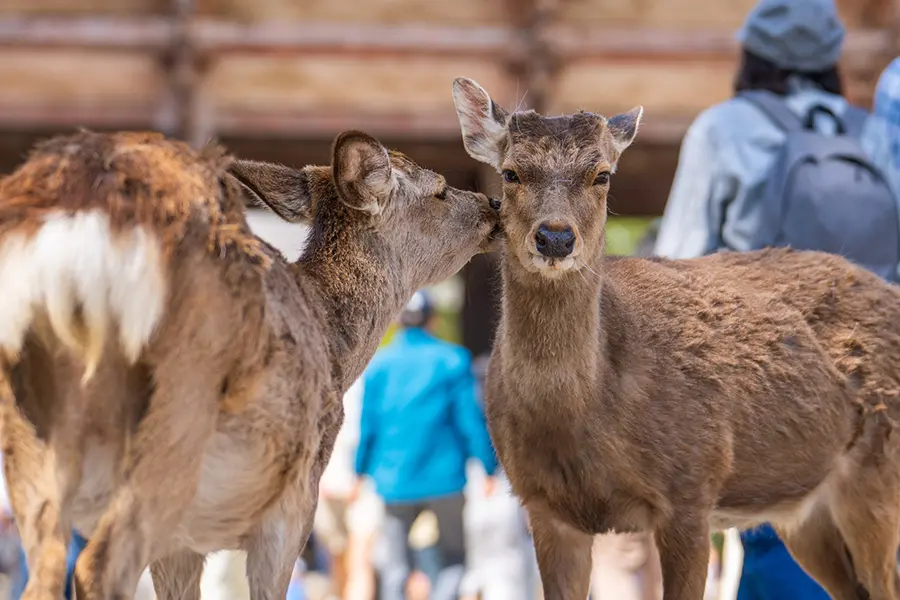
x=421, y=419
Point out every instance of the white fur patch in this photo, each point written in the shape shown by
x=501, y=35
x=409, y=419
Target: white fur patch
x=552, y=265
x=72, y=261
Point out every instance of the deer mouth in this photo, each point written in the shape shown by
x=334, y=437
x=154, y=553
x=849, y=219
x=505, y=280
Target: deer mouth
x=552, y=266
x=494, y=239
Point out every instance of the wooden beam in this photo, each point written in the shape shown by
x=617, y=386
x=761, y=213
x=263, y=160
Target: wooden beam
x=190, y=118
x=96, y=33
x=218, y=37
x=438, y=126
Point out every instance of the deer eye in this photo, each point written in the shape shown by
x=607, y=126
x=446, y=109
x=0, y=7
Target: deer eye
x=602, y=178
x=441, y=195
x=509, y=176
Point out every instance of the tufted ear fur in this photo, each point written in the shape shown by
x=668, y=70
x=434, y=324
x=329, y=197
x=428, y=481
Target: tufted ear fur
x=362, y=172
x=624, y=128
x=285, y=191
x=483, y=123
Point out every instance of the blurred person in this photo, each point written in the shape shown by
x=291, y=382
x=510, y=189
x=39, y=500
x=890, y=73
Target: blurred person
x=729, y=158
x=746, y=177
x=364, y=519
x=626, y=567
x=881, y=137
x=336, y=491
x=501, y=564
x=421, y=422
x=224, y=576
x=499, y=552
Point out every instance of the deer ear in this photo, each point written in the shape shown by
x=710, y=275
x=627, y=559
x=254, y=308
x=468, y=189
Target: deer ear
x=362, y=172
x=483, y=123
x=624, y=128
x=283, y=190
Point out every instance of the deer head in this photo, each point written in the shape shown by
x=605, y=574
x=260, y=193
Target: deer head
x=380, y=201
x=556, y=174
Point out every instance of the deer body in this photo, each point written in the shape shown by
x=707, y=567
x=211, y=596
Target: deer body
x=198, y=414
x=618, y=424
x=681, y=396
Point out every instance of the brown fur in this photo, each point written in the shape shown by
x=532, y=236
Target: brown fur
x=679, y=396
x=215, y=437
x=135, y=178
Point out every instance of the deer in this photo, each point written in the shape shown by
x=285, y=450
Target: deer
x=677, y=397
x=170, y=384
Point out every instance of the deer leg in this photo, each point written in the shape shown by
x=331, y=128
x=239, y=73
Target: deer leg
x=272, y=552
x=866, y=511
x=162, y=474
x=563, y=556
x=684, y=557
x=276, y=543
x=177, y=576
x=42, y=477
x=818, y=547
x=45, y=537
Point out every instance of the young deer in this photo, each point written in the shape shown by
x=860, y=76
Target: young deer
x=173, y=384
x=679, y=396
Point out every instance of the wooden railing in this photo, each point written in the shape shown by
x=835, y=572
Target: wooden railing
x=532, y=47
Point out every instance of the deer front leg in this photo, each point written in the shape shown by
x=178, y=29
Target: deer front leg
x=177, y=576
x=276, y=543
x=563, y=556
x=684, y=556
x=272, y=551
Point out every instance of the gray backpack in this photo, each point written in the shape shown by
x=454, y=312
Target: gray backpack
x=823, y=193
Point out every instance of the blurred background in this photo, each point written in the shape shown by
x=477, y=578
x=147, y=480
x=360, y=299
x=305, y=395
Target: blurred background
x=276, y=80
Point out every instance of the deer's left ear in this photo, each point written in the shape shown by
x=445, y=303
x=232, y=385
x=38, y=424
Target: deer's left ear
x=362, y=172
x=624, y=128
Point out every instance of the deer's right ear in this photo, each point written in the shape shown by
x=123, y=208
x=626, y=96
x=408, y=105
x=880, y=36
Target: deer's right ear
x=285, y=191
x=362, y=172
x=483, y=123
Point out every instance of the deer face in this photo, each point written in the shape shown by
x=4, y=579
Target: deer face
x=382, y=200
x=556, y=174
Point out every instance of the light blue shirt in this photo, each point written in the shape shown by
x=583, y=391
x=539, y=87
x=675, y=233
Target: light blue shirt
x=727, y=151
x=881, y=136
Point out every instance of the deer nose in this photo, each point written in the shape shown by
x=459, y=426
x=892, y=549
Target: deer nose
x=554, y=242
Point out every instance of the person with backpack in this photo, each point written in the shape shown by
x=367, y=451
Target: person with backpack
x=782, y=163
x=881, y=137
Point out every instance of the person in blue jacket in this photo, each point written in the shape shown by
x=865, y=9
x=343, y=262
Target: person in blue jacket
x=421, y=422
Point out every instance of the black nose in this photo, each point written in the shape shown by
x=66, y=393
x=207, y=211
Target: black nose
x=554, y=242
x=494, y=203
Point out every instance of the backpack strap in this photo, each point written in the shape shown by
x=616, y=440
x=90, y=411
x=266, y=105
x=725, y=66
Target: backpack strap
x=854, y=120
x=774, y=108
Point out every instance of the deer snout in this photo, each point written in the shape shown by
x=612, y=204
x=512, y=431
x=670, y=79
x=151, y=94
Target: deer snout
x=555, y=240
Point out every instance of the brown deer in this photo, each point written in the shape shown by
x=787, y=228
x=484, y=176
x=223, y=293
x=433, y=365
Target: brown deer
x=171, y=385
x=678, y=396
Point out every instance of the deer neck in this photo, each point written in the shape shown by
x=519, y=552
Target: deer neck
x=355, y=274
x=551, y=330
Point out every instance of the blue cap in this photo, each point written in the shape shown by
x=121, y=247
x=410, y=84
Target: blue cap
x=796, y=35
